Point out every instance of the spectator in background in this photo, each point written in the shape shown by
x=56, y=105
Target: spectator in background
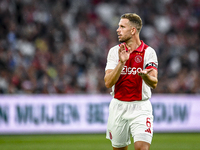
x=61, y=46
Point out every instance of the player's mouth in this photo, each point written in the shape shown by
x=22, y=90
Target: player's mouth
x=119, y=36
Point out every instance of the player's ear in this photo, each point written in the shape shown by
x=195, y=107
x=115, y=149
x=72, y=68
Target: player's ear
x=133, y=30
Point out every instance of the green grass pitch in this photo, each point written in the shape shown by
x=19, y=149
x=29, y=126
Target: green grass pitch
x=161, y=141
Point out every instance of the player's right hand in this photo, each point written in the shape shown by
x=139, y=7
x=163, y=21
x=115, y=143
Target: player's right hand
x=123, y=53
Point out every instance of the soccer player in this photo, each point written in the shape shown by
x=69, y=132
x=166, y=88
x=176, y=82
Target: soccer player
x=131, y=71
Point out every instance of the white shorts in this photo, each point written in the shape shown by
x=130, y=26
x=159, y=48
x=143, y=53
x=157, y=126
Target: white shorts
x=129, y=118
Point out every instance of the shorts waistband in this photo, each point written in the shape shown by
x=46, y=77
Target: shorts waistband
x=131, y=102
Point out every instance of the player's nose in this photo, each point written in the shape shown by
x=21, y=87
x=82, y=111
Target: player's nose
x=117, y=30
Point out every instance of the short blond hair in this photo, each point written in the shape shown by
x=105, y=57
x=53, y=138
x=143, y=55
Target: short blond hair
x=135, y=19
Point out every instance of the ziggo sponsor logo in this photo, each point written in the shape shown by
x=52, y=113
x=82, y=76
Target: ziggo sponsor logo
x=129, y=70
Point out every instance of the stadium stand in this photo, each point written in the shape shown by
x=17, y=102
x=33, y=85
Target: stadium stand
x=49, y=46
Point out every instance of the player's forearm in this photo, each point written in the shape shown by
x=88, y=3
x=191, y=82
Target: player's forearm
x=150, y=81
x=112, y=77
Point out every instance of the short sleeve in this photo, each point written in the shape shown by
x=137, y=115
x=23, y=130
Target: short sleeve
x=151, y=60
x=112, y=58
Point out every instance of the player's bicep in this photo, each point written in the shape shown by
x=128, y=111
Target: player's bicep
x=112, y=59
x=151, y=60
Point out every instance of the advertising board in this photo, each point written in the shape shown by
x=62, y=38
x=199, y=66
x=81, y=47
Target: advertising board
x=88, y=113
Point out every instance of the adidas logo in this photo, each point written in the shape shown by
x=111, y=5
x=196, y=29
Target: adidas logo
x=148, y=130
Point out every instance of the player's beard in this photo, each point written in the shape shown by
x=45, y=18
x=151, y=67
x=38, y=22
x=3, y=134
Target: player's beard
x=125, y=39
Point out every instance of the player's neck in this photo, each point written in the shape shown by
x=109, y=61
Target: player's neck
x=134, y=44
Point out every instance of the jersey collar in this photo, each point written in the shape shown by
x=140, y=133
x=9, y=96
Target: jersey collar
x=139, y=49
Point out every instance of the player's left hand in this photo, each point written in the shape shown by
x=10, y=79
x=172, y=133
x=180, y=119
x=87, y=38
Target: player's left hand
x=145, y=72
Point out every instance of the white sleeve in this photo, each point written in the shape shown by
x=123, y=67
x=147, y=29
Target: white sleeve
x=150, y=57
x=112, y=58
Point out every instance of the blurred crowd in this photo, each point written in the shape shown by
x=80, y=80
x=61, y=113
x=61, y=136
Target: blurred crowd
x=60, y=46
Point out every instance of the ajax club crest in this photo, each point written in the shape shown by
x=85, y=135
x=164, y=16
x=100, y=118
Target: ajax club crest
x=138, y=59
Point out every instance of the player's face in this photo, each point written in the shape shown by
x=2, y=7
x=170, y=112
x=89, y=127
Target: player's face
x=124, y=30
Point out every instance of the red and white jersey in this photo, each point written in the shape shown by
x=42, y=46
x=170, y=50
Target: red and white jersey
x=130, y=86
